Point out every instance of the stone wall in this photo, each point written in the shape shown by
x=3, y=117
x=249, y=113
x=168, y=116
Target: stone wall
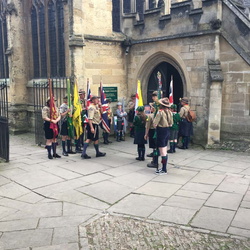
x=236, y=94
x=187, y=54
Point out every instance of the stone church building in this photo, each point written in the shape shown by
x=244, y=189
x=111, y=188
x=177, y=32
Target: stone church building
x=204, y=45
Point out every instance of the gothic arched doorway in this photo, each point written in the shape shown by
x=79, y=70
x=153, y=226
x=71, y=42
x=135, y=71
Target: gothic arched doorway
x=167, y=70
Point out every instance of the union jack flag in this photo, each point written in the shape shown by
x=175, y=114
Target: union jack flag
x=105, y=123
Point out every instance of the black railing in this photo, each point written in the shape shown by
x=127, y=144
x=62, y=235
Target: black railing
x=41, y=94
x=4, y=124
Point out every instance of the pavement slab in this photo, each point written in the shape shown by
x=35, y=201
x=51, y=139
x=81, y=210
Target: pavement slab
x=18, y=225
x=106, y=191
x=242, y=218
x=64, y=235
x=224, y=200
x=158, y=189
x=137, y=205
x=208, y=177
x=177, y=176
x=198, y=187
x=215, y=219
x=13, y=190
x=173, y=214
x=28, y=238
x=184, y=202
x=39, y=179
x=65, y=203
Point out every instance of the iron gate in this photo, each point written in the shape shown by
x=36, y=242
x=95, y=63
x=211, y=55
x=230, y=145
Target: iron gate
x=4, y=124
x=41, y=94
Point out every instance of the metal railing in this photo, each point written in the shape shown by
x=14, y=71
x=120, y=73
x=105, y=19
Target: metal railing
x=41, y=94
x=4, y=124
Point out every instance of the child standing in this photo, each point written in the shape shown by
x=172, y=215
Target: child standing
x=140, y=127
x=120, y=121
x=174, y=129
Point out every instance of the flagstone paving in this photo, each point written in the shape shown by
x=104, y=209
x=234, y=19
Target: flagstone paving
x=116, y=202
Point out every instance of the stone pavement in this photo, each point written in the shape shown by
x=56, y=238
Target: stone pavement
x=116, y=202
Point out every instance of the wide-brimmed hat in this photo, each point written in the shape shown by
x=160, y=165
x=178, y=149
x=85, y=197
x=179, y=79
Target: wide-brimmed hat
x=81, y=91
x=165, y=102
x=184, y=100
x=140, y=109
x=155, y=93
x=49, y=99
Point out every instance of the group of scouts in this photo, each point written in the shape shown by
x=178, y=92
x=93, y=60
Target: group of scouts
x=161, y=125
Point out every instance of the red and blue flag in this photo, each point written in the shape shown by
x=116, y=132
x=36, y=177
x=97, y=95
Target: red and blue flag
x=104, y=120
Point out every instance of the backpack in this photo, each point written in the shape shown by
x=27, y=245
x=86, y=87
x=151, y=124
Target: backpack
x=191, y=116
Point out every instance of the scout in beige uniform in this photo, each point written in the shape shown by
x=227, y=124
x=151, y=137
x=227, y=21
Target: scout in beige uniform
x=162, y=121
x=50, y=140
x=94, y=118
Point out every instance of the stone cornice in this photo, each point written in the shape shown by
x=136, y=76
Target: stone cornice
x=177, y=36
x=105, y=38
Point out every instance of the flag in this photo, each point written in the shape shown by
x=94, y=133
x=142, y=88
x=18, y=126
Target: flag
x=69, y=118
x=89, y=95
x=138, y=101
x=159, y=85
x=105, y=123
x=124, y=119
x=77, y=120
x=171, y=92
x=53, y=111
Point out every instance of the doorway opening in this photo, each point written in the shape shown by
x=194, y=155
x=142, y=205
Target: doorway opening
x=167, y=71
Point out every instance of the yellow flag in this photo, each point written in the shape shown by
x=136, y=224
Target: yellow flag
x=77, y=120
x=138, y=101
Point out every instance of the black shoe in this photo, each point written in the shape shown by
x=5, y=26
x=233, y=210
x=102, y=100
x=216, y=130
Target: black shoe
x=118, y=140
x=71, y=152
x=78, y=151
x=182, y=147
x=109, y=141
x=100, y=154
x=152, y=165
x=65, y=154
x=142, y=159
x=138, y=158
x=105, y=142
x=170, y=151
x=85, y=156
x=56, y=156
x=50, y=157
x=150, y=155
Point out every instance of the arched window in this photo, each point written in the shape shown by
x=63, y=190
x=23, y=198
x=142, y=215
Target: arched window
x=4, y=66
x=47, y=25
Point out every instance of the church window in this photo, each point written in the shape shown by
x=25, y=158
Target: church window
x=116, y=21
x=140, y=8
x=47, y=26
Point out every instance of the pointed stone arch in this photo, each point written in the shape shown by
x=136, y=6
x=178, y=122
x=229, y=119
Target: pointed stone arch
x=154, y=57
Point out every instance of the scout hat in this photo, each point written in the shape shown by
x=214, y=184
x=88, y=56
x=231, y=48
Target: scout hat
x=164, y=102
x=174, y=107
x=140, y=109
x=49, y=99
x=81, y=91
x=155, y=93
x=184, y=100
